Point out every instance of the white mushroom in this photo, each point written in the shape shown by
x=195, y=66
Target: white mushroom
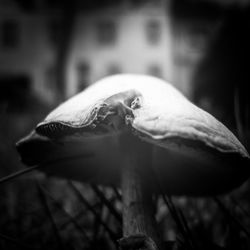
x=129, y=128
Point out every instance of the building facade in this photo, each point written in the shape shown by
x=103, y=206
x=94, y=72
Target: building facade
x=25, y=50
x=119, y=40
x=111, y=40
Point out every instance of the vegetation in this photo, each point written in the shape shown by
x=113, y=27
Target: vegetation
x=39, y=212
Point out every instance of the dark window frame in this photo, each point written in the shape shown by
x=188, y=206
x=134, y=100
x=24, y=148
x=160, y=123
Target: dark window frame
x=114, y=69
x=155, y=69
x=83, y=72
x=54, y=27
x=153, y=31
x=106, y=32
x=11, y=34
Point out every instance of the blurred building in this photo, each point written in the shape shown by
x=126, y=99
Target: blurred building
x=166, y=39
x=120, y=40
x=195, y=26
x=26, y=53
x=106, y=41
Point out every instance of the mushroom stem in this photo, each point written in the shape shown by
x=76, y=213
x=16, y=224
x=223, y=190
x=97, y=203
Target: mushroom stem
x=139, y=225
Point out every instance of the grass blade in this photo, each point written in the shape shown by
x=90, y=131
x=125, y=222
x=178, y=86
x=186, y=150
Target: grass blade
x=179, y=222
x=17, y=174
x=237, y=114
x=230, y=216
x=243, y=211
x=50, y=216
x=174, y=213
x=107, y=203
x=49, y=163
x=16, y=242
x=117, y=194
x=71, y=218
x=112, y=235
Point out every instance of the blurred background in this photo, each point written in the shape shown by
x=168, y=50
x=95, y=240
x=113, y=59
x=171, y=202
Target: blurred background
x=52, y=49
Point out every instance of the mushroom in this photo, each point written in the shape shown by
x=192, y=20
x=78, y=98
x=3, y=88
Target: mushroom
x=125, y=130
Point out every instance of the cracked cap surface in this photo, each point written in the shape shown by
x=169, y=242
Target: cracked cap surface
x=192, y=151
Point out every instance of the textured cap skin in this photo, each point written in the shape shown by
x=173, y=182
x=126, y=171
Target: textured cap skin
x=193, y=153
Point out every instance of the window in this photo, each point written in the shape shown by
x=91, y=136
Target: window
x=10, y=34
x=153, y=31
x=114, y=69
x=54, y=31
x=198, y=35
x=194, y=38
x=83, y=70
x=50, y=78
x=106, y=32
x=15, y=92
x=155, y=70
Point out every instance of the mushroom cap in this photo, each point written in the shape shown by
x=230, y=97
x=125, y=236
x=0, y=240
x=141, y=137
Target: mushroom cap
x=192, y=152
